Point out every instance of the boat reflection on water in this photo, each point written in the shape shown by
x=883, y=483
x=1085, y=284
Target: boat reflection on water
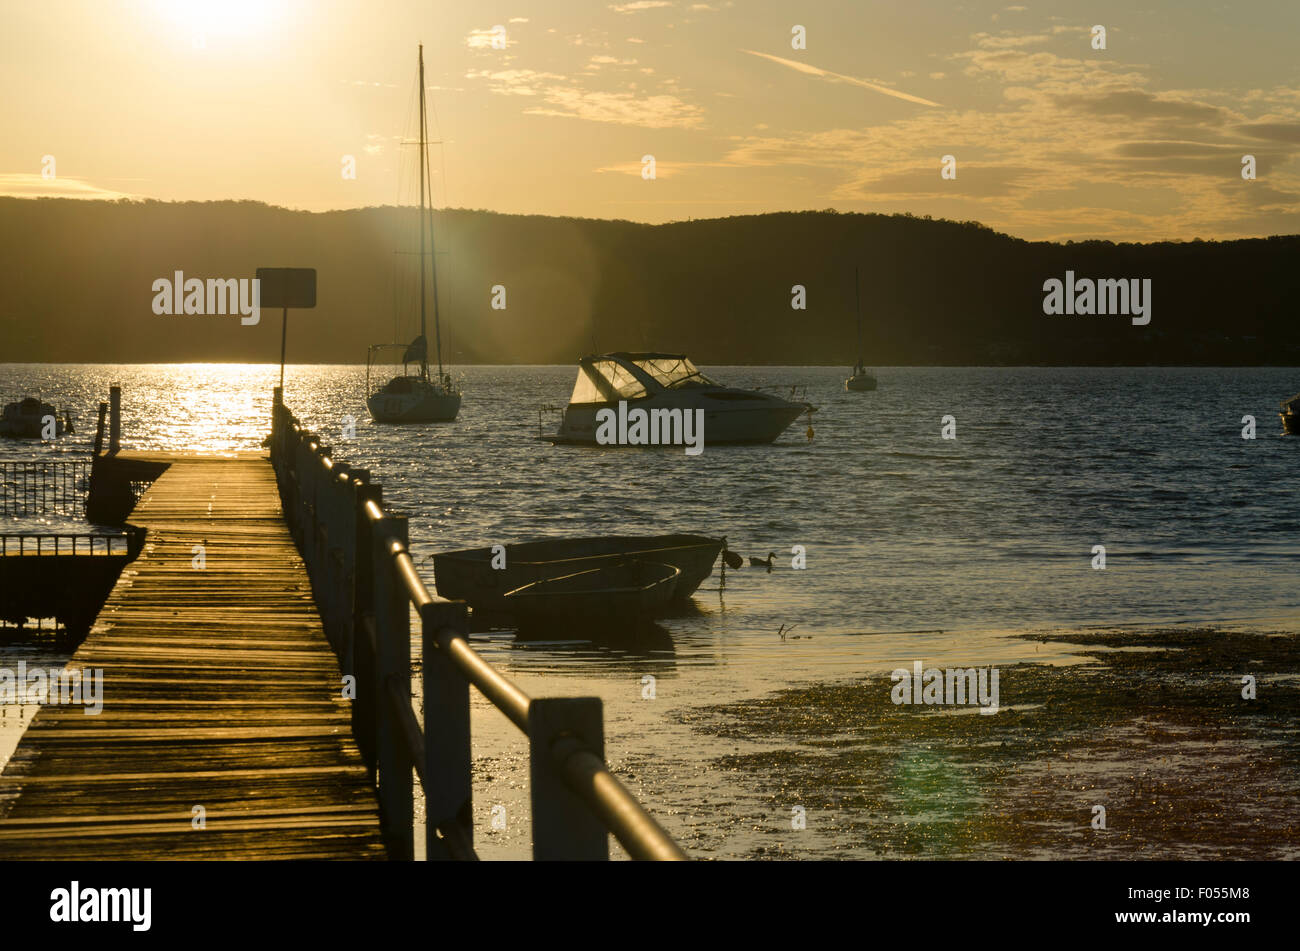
x=638, y=639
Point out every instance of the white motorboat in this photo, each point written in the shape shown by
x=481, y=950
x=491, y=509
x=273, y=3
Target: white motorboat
x=417, y=397
x=31, y=418
x=670, y=389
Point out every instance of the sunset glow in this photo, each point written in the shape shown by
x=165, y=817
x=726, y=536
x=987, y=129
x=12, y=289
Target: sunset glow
x=549, y=108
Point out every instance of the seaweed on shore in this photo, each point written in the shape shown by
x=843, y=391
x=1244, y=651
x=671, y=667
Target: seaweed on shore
x=1155, y=730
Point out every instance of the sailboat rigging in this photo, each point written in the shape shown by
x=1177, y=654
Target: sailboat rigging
x=862, y=380
x=418, y=398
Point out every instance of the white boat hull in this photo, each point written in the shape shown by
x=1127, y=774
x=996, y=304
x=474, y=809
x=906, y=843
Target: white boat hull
x=430, y=407
x=27, y=420
x=723, y=424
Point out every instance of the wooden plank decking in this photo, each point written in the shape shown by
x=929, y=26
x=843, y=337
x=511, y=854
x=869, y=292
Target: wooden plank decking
x=220, y=691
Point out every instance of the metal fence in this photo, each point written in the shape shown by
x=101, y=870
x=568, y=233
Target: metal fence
x=36, y=544
x=365, y=584
x=44, y=488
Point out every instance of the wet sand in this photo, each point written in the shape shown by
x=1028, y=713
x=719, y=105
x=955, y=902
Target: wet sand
x=1151, y=725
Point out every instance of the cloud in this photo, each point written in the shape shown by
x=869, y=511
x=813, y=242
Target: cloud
x=662, y=169
x=638, y=5
x=1163, y=150
x=840, y=78
x=1274, y=131
x=513, y=82
x=558, y=96
x=1041, y=74
x=1138, y=104
x=594, y=38
x=1065, y=147
x=978, y=181
x=1009, y=40
x=624, y=108
x=22, y=185
x=483, y=39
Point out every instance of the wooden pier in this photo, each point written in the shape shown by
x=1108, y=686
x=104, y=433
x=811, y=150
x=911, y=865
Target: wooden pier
x=220, y=692
x=257, y=698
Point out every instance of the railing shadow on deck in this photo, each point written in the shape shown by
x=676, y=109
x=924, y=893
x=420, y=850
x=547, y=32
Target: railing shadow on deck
x=365, y=582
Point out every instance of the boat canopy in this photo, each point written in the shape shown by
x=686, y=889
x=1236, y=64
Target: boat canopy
x=1292, y=405
x=29, y=406
x=630, y=376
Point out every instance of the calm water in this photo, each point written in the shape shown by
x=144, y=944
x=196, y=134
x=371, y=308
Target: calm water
x=957, y=541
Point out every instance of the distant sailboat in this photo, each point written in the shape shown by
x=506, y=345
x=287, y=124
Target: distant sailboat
x=416, y=398
x=862, y=379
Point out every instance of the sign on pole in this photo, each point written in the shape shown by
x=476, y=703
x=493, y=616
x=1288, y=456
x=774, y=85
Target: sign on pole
x=286, y=287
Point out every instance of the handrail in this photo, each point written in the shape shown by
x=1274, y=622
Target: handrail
x=503, y=694
x=366, y=583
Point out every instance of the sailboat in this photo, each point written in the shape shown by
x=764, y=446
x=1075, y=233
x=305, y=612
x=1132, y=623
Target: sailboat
x=862, y=379
x=417, y=397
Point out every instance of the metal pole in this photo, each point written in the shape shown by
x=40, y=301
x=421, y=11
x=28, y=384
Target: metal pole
x=115, y=419
x=284, y=331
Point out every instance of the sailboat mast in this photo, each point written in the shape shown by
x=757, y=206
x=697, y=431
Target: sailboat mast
x=433, y=253
x=424, y=363
x=857, y=303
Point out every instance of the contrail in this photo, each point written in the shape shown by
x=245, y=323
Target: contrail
x=827, y=74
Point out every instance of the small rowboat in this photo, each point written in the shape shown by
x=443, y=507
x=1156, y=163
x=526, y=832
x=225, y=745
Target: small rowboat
x=626, y=592
x=483, y=576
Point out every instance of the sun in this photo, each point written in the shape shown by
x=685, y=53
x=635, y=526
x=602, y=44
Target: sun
x=203, y=20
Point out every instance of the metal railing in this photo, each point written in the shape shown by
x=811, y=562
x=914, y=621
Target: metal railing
x=365, y=584
x=36, y=544
x=44, y=488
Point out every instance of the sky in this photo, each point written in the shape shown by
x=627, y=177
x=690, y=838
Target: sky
x=556, y=112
